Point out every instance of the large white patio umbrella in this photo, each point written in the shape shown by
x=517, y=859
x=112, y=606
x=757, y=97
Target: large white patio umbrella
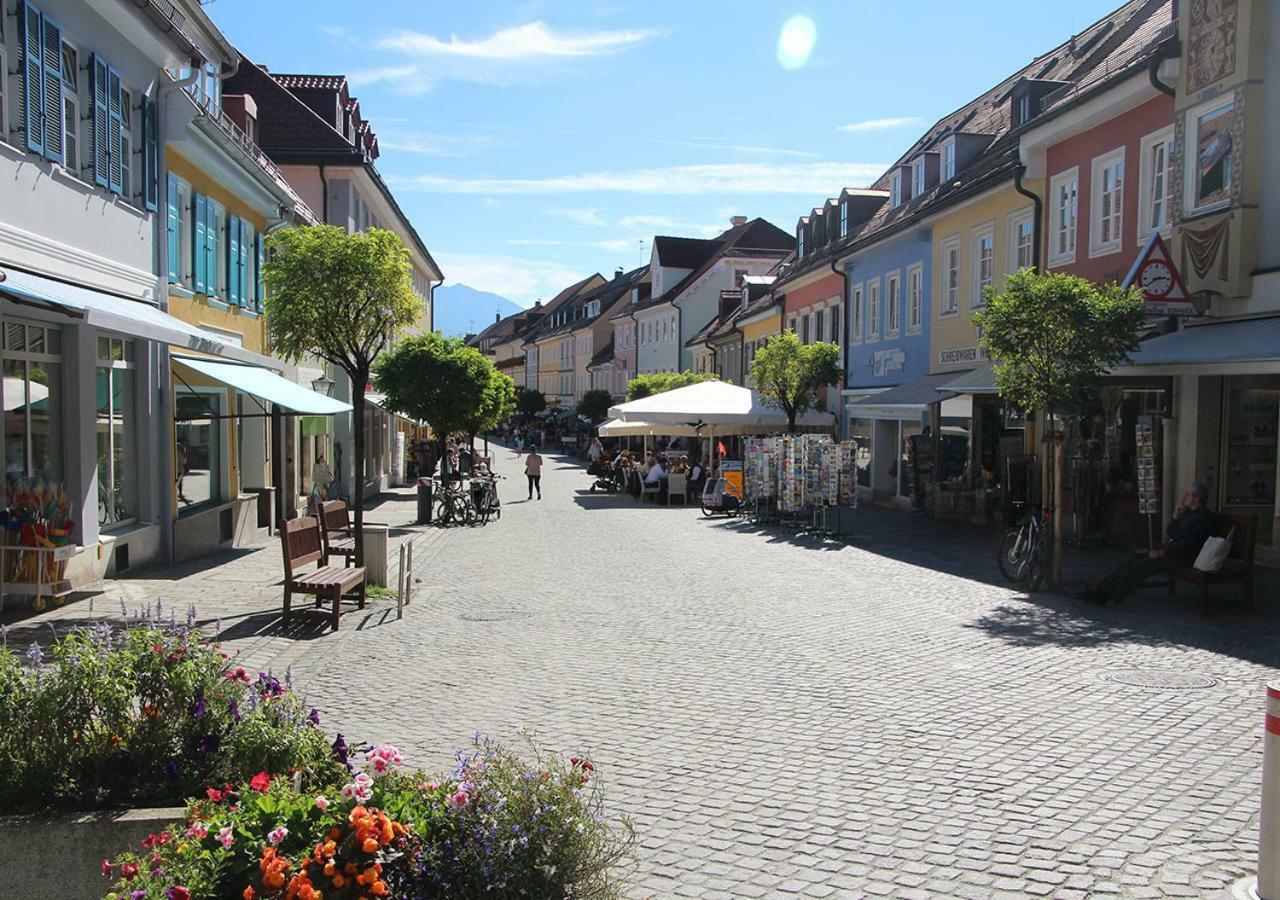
x=619, y=428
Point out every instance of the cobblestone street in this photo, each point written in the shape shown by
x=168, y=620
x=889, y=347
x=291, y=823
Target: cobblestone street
x=781, y=717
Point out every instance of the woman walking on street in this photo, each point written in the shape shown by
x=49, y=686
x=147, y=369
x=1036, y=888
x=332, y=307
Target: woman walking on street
x=533, y=469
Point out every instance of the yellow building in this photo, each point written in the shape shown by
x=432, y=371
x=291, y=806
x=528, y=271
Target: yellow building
x=759, y=321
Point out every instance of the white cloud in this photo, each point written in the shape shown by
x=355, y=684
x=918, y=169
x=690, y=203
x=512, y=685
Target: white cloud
x=588, y=218
x=520, y=43
x=519, y=279
x=744, y=149
x=670, y=225
x=718, y=178
x=880, y=124
x=440, y=145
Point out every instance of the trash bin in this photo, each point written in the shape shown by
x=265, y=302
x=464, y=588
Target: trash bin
x=424, y=501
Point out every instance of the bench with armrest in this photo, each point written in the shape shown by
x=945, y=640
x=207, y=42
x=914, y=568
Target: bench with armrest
x=303, y=544
x=338, y=534
x=1238, y=567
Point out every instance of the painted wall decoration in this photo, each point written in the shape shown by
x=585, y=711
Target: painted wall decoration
x=1211, y=42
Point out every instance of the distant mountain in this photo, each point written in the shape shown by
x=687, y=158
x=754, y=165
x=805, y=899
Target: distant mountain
x=462, y=310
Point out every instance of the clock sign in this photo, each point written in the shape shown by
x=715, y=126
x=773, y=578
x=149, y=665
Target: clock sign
x=1154, y=274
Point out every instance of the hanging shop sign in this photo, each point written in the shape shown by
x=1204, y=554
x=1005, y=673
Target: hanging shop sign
x=1154, y=273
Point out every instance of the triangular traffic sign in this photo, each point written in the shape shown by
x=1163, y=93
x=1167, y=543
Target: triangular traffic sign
x=1154, y=274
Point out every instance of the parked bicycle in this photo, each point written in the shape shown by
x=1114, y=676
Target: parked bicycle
x=1023, y=556
x=453, y=503
x=484, y=496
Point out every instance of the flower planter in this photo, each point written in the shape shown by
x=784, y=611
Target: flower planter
x=60, y=856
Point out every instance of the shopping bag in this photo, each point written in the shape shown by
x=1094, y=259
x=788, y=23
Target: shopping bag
x=1214, y=553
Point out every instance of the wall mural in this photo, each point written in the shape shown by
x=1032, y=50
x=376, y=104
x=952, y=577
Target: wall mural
x=1211, y=42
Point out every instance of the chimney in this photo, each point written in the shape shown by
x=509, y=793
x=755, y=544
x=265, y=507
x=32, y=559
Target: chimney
x=537, y=304
x=618, y=274
x=497, y=317
x=735, y=221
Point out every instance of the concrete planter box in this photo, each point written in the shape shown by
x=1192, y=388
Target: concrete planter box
x=60, y=857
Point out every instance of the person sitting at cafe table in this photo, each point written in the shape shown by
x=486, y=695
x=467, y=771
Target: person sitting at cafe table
x=1191, y=526
x=657, y=475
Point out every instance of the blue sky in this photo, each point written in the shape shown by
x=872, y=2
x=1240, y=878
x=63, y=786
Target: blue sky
x=535, y=142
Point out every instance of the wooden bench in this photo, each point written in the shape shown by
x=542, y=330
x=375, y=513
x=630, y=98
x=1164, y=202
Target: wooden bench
x=1238, y=568
x=338, y=535
x=303, y=544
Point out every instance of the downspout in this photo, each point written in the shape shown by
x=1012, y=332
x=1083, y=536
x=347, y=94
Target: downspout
x=1039, y=209
x=844, y=321
x=324, y=196
x=1153, y=68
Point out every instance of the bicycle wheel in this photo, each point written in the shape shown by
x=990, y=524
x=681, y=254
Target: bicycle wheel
x=1037, y=567
x=463, y=512
x=444, y=510
x=1014, y=556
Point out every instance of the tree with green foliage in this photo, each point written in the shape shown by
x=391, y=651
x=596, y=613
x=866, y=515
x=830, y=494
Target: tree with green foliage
x=789, y=375
x=661, y=382
x=1053, y=338
x=594, y=405
x=438, y=380
x=530, y=401
x=341, y=298
x=497, y=403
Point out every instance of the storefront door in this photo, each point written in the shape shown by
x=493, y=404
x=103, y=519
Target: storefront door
x=1250, y=465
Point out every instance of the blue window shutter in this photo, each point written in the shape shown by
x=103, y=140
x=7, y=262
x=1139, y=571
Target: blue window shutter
x=98, y=142
x=115, y=127
x=173, y=223
x=200, y=217
x=52, y=41
x=211, y=247
x=233, y=260
x=246, y=244
x=33, y=77
x=260, y=289
x=150, y=156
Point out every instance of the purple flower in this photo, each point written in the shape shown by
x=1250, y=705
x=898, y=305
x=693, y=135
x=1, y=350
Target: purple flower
x=34, y=654
x=197, y=708
x=314, y=717
x=235, y=709
x=208, y=744
x=138, y=895
x=341, y=753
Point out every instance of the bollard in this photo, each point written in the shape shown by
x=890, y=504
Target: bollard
x=1269, y=828
x=375, y=554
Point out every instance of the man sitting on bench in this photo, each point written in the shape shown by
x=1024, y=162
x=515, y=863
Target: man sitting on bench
x=1191, y=525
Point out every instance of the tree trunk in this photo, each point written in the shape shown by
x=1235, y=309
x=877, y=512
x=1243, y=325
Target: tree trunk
x=358, y=380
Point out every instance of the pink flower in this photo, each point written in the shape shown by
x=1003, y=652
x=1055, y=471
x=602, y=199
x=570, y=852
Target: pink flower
x=322, y=802
x=277, y=835
x=458, y=799
x=197, y=830
x=238, y=674
x=362, y=780
x=431, y=785
x=107, y=871
x=260, y=782
x=224, y=837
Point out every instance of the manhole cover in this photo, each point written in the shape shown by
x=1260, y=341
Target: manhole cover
x=1164, y=679
x=496, y=615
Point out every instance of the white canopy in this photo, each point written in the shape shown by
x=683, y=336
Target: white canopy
x=718, y=407
x=619, y=428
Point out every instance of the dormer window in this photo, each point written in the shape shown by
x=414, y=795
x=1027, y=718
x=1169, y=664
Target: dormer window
x=1024, y=109
x=895, y=189
x=844, y=219
x=917, y=177
x=949, y=160
x=800, y=243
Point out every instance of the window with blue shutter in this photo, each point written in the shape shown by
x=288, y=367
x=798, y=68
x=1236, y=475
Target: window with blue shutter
x=150, y=156
x=198, y=241
x=33, y=77
x=115, y=129
x=260, y=289
x=212, y=219
x=174, y=225
x=233, y=260
x=246, y=245
x=52, y=95
x=98, y=143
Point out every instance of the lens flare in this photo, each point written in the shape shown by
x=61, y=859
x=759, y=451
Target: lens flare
x=795, y=42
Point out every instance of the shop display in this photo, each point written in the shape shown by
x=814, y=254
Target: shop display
x=1148, y=478
x=801, y=472
x=1251, y=447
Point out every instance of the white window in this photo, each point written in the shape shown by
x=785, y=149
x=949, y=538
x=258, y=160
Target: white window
x=1155, y=183
x=800, y=242
x=949, y=160
x=844, y=219
x=70, y=109
x=915, y=298
x=950, y=277
x=893, y=303
x=126, y=147
x=895, y=188
x=984, y=256
x=1210, y=174
x=1024, y=108
x=1106, y=203
x=873, y=310
x=820, y=326
x=1022, y=234
x=917, y=177
x=856, y=312
x=1063, y=190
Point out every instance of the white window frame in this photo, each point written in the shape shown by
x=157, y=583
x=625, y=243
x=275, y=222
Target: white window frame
x=895, y=188
x=1098, y=168
x=70, y=123
x=127, y=182
x=219, y=291
x=1191, y=173
x=1147, y=184
x=844, y=219
x=1056, y=183
x=855, y=308
x=873, y=310
x=1022, y=217
x=186, y=221
x=893, y=303
x=949, y=302
x=917, y=177
x=947, y=161
x=976, y=298
x=915, y=298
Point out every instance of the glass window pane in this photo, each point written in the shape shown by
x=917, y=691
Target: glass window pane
x=198, y=445
x=44, y=404
x=104, y=348
x=1213, y=155
x=117, y=483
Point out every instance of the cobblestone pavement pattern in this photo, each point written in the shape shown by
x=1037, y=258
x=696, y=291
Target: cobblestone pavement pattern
x=782, y=717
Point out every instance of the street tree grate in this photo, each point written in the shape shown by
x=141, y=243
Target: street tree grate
x=1160, y=679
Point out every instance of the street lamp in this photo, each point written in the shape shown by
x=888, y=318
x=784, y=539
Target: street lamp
x=323, y=385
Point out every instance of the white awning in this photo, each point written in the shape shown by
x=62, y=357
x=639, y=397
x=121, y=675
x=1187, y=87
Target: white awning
x=619, y=428
x=134, y=318
x=266, y=385
x=721, y=407
x=981, y=380
x=905, y=401
x=1238, y=347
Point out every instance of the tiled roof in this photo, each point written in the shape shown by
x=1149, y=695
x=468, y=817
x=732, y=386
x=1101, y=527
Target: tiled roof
x=311, y=82
x=543, y=329
x=644, y=290
x=682, y=252
x=609, y=294
x=603, y=356
x=757, y=238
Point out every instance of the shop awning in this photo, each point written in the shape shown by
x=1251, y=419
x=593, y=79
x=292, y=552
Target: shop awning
x=981, y=380
x=1239, y=347
x=906, y=401
x=266, y=385
x=619, y=428
x=722, y=407
x=128, y=317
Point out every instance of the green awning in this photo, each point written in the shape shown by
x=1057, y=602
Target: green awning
x=314, y=426
x=266, y=385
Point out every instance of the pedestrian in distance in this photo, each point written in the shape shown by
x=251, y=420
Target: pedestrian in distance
x=533, y=469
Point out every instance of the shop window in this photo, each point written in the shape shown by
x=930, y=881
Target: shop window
x=198, y=448
x=860, y=434
x=1210, y=169
x=1253, y=415
x=906, y=458
x=32, y=408
x=116, y=433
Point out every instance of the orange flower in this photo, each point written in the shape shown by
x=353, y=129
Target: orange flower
x=115, y=740
x=369, y=846
x=150, y=711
